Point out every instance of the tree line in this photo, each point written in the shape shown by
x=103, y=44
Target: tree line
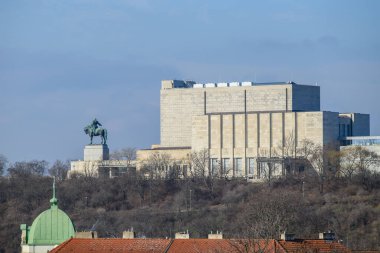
x=323, y=163
x=158, y=205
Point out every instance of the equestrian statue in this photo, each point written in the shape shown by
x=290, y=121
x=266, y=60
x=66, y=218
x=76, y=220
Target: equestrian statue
x=94, y=130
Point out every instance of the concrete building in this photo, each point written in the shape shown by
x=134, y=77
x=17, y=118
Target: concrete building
x=96, y=162
x=364, y=151
x=246, y=127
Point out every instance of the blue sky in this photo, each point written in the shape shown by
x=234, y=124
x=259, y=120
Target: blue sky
x=64, y=62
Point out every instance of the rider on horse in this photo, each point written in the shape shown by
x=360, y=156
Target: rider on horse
x=95, y=123
x=94, y=130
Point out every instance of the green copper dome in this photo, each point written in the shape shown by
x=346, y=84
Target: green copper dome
x=51, y=227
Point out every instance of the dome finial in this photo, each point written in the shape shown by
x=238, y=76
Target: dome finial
x=53, y=200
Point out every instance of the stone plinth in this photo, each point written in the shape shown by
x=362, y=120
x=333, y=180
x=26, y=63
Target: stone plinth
x=128, y=234
x=215, y=236
x=96, y=152
x=182, y=235
x=86, y=234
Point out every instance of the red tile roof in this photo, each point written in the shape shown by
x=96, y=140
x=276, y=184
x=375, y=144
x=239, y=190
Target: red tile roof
x=366, y=251
x=224, y=245
x=103, y=245
x=320, y=246
x=257, y=245
x=200, y=245
x=119, y=245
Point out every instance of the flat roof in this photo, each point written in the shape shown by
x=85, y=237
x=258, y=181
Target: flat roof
x=361, y=138
x=192, y=84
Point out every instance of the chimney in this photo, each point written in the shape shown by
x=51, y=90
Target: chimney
x=182, y=235
x=129, y=234
x=287, y=236
x=218, y=235
x=24, y=234
x=328, y=236
x=86, y=234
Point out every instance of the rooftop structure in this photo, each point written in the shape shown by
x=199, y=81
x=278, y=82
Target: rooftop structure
x=49, y=229
x=360, y=140
x=168, y=84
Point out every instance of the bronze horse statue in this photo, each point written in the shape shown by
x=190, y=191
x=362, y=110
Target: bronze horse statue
x=97, y=132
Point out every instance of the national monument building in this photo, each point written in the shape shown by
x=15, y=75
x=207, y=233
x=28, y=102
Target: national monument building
x=246, y=126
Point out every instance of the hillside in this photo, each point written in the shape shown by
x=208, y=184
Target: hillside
x=159, y=208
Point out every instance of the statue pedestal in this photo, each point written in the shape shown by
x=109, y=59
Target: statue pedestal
x=96, y=152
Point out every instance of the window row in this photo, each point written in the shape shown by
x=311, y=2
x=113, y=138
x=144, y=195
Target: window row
x=225, y=167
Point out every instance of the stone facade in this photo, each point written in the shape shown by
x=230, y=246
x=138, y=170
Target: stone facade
x=368, y=144
x=178, y=105
x=241, y=122
x=96, y=163
x=103, y=168
x=96, y=152
x=37, y=248
x=170, y=158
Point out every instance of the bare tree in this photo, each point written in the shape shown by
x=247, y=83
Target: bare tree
x=200, y=163
x=226, y=170
x=59, y=170
x=263, y=152
x=326, y=162
x=203, y=169
x=333, y=162
x=253, y=245
x=157, y=165
x=185, y=164
x=128, y=154
x=306, y=149
x=357, y=159
x=298, y=153
x=3, y=163
x=366, y=158
x=348, y=166
x=302, y=164
x=90, y=170
x=289, y=145
x=30, y=168
x=264, y=220
x=270, y=216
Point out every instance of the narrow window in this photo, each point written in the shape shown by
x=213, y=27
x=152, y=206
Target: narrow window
x=238, y=167
x=226, y=166
x=250, y=165
x=214, y=166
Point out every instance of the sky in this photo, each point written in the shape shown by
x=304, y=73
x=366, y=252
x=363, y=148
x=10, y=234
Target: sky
x=64, y=62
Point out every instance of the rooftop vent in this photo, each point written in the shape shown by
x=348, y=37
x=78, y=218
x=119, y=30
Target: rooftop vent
x=86, y=234
x=189, y=84
x=218, y=235
x=246, y=84
x=209, y=85
x=129, y=234
x=328, y=236
x=178, y=84
x=287, y=236
x=222, y=84
x=182, y=235
x=234, y=84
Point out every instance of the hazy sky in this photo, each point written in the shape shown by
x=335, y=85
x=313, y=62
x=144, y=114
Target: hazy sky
x=64, y=62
